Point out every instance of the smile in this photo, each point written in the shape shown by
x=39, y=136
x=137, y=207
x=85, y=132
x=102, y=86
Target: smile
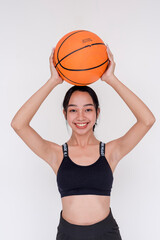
x=81, y=125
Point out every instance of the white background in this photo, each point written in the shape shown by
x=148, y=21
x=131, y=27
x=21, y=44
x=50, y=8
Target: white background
x=30, y=203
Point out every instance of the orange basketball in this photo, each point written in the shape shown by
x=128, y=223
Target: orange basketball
x=80, y=57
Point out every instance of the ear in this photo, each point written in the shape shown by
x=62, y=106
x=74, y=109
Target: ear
x=64, y=114
x=98, y=112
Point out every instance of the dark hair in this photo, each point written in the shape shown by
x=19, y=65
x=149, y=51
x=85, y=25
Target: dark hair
x=82, y=89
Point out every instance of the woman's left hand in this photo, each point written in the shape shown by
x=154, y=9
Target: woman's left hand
x=109, y=73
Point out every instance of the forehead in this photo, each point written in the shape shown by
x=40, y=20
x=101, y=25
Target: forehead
x=80, y=98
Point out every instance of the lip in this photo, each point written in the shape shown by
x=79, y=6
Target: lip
x=81, y=123
x=82, y=127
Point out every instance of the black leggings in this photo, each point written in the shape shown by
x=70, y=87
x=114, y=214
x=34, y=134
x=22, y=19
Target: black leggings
x=106, y=229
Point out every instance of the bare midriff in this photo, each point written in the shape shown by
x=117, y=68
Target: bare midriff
x=85, y=209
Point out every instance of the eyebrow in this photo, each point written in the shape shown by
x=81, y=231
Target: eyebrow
x=89, y=104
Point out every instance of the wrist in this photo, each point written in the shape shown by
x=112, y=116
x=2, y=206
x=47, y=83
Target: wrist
x=53, y=80
x=111, y=79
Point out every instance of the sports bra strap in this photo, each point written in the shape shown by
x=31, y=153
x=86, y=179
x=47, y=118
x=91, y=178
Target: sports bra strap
x=102, y=148
x=65, y=150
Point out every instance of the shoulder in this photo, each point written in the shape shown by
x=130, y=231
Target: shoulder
x=111, y=153
x=54, y=149
x=55, y=152
x=110, y=149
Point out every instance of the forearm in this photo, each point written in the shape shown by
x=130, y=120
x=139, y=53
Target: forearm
x=29, y=108
x=138, y=108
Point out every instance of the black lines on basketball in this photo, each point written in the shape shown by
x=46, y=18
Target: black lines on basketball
x=82, y=58
x=74, y=52
x=70, y=79
x=86, y=68
x=63, y=43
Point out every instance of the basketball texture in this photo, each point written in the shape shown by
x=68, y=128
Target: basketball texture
x=80, y=57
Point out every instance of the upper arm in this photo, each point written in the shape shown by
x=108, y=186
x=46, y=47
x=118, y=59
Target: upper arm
x=123, y=145
x=41, y=147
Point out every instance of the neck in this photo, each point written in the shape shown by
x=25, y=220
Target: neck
x=83, y=140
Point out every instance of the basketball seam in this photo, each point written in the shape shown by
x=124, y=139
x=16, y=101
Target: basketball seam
x=72, y=53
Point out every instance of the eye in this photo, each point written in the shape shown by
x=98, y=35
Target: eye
x=72, y=110
x=89, y=109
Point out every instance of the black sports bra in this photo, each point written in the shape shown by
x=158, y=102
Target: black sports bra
x=74, y=179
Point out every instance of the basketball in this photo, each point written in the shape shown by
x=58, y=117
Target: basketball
x=80, y=57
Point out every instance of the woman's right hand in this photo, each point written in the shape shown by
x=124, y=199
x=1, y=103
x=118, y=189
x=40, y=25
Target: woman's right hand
x=54, y=74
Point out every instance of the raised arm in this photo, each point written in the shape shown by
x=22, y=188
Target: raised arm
x=145, y=118
x=21, y=121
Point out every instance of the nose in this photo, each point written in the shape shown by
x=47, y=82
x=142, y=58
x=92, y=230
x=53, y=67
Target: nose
x=80, y=116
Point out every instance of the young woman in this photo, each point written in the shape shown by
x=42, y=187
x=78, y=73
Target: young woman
x=84, y=165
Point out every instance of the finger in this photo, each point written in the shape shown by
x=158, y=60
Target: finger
x=53, y=49
x=51, y=56
x=51, y=60
x=52, y=52
x=110, y=55
x=110, y=51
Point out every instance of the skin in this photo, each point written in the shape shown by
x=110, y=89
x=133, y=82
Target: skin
x=83, y=146
x=83, y=149
x=84, y=209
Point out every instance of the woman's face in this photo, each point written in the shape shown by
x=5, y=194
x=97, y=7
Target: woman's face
x=81, y=110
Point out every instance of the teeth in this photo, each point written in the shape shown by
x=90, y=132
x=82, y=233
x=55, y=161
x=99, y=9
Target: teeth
x=81, y=125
